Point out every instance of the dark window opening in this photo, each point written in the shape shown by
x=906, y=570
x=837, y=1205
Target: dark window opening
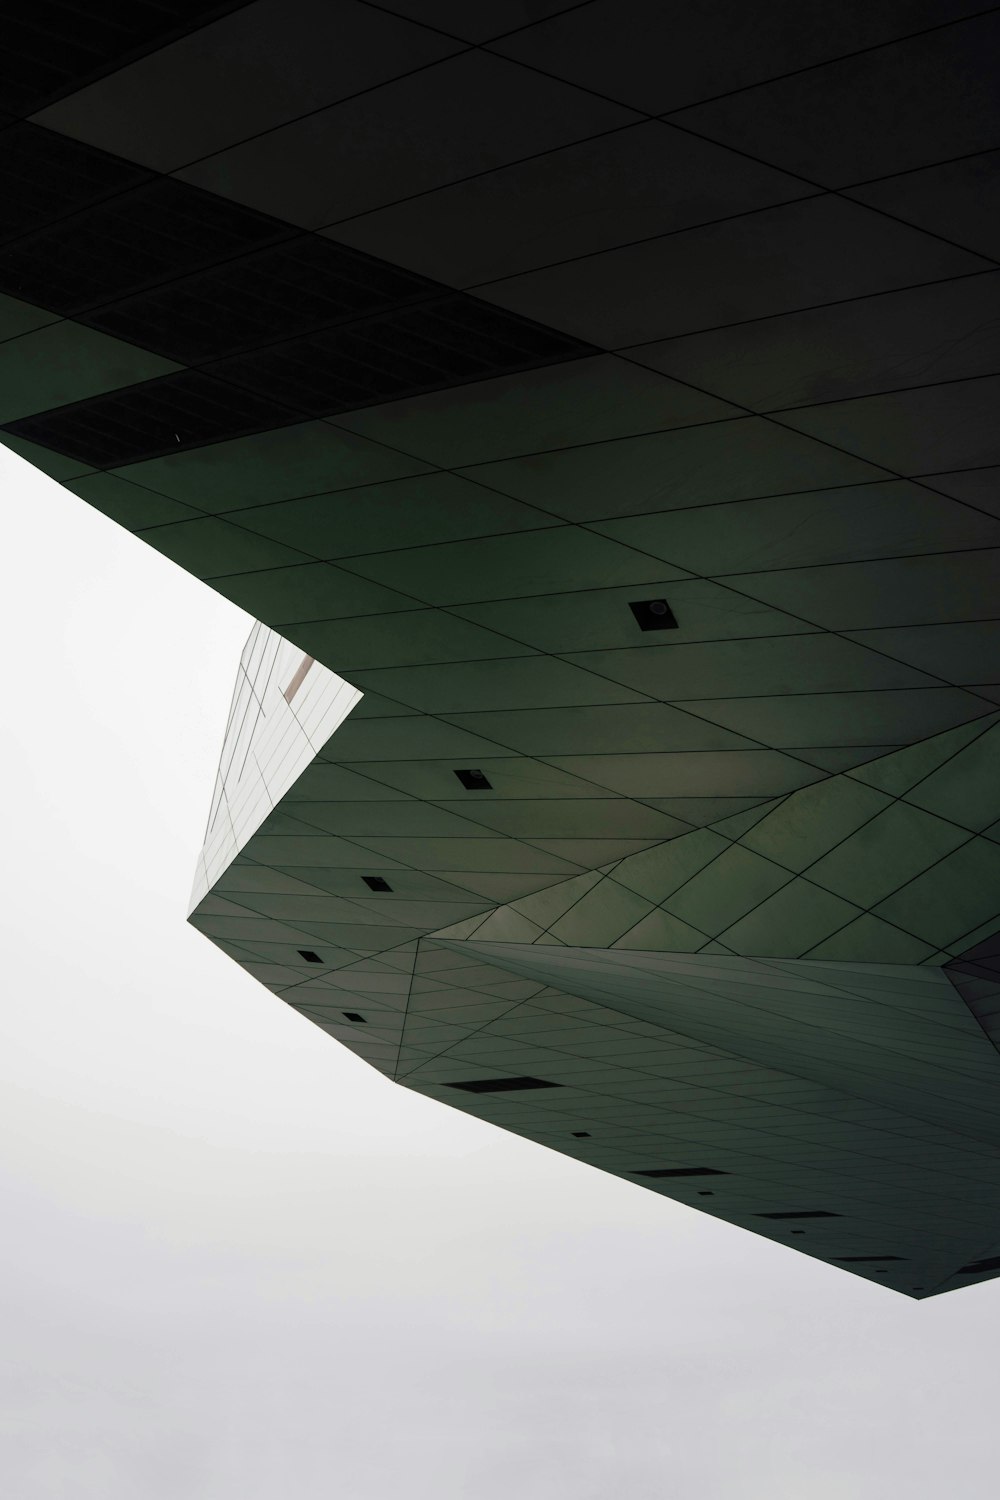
x=376, y=883
x=352, y=1015
x=802, y=1213
x=850, y=1260
x=474, y=781
x=653, y=614
x=679, y=1172
x=974, y=1267
x=581, y=1133
x=502, y=1085
x=309, y=956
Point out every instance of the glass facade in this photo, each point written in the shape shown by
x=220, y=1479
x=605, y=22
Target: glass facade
x=285, y=707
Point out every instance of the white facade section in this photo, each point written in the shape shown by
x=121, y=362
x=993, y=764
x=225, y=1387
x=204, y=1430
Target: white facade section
x=285, y=707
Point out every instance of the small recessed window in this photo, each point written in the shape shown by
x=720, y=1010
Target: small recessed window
x=502, y=1085
x=678, y=1172
x=801, y=1213
x=705, y=1193
x=352, y=1015
x=376, y=883
x=976, y=1266
x=309, y=956
x=653, y=614
x=581, y=1133
x=877, y=1260
x=474, y=781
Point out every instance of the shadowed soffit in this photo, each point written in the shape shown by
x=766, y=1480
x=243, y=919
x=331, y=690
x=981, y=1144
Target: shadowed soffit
x=608, y=449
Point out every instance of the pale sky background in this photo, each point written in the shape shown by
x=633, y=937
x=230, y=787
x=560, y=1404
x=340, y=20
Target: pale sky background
x=237, y=1264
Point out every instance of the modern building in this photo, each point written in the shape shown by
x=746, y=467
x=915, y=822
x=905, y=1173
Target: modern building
x=596, y=404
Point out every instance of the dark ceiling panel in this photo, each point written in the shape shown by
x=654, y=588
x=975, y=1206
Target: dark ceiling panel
x=270, y=295
x=659, y=57
x=924, y=100
x=738, y=850
x=424, y=348
x=50, y=47
x=160, y=416
x=151, y=234
x=45, y=177
x=432, y=346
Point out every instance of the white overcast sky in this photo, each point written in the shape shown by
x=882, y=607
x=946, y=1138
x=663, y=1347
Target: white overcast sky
x=237, y=1264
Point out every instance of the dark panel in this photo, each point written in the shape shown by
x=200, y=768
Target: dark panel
x=157, y=417
x=924, y=100
x=502, y=1085
x=50, y=47
x=851, y=1260
x=806, y=1213
x=976, y=976
x=273, y=294
x=653, y=614
x=156, y=232
x=680, y=1172
x=430, y=347
x=45, y=176
x=977, y=1267
x=474, y=780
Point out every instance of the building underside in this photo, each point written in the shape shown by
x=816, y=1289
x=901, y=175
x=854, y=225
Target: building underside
x=606, y=392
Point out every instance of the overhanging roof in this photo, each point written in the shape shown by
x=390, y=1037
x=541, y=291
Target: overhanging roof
x=438, y=337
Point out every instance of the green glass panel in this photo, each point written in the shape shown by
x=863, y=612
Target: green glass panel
x=808, y=823
x=872, y=941
x=601, y=916
x=898, y=772
x=885, y=854
x=789, y=923
x=726, y=890
x=951, y=899
x=656, y=872
x=967, y=787
x=662, y=932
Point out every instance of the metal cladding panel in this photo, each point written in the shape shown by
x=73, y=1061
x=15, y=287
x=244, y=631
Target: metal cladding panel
x=624, y=431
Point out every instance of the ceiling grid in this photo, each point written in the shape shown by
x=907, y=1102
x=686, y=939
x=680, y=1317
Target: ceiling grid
x=610, y=398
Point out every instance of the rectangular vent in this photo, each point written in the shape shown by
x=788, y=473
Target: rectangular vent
x=975, y=1267
x=474, y=781
x=156, y=232
x=268, y=297
x=432, y=346
x=679, y=1172
x=352, y=1015
x=851, y=1260
x=309, y=956
x=45, y=176
x=653, y=614
x=51, y=48
x=802, y=1213
x=186, y=410
x=581, y=1134
x=376, y=883
x=502, y=1085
